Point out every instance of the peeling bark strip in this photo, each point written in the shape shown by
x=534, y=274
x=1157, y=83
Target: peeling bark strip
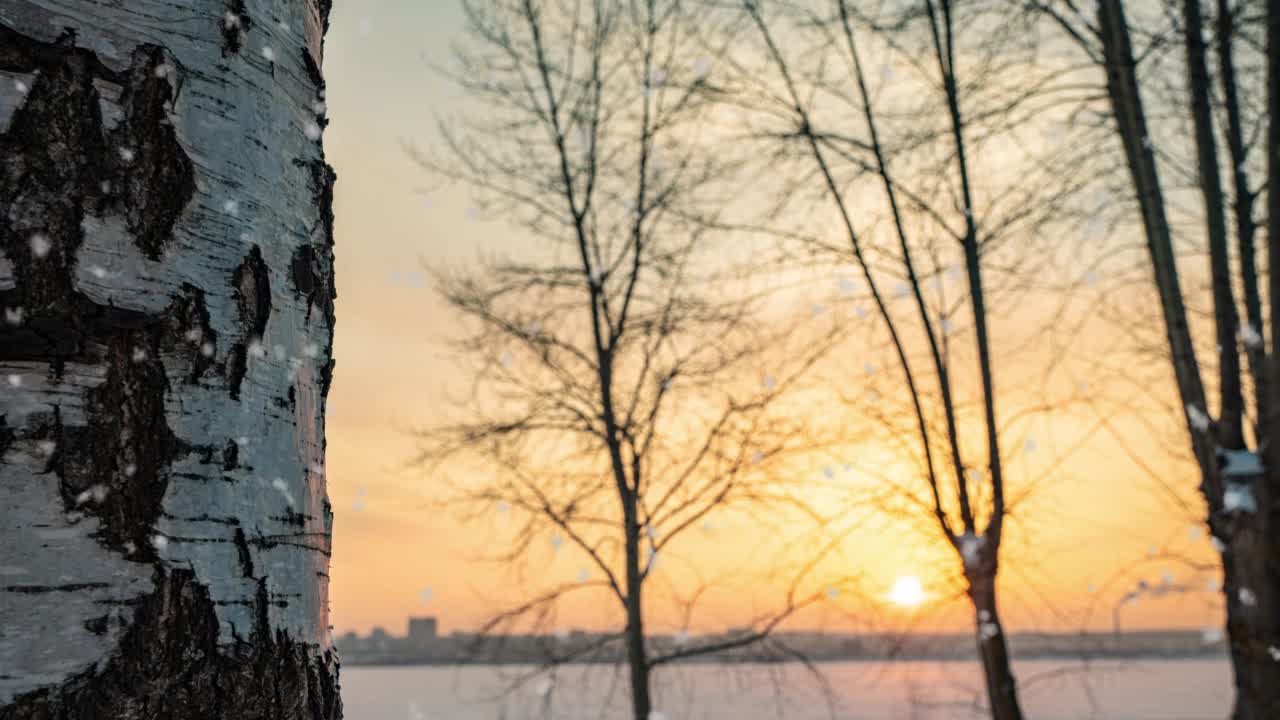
x=165, y=233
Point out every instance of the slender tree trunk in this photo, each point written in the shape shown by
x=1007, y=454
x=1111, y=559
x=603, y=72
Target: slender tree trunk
x=637, y=655
x=1230, y=430
x=1249, y=581
x=1002, y=687
x=166, y=281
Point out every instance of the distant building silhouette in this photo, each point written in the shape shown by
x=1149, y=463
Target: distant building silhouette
x=423, y=632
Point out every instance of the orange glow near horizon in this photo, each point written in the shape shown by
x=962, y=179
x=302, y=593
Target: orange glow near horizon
x=1095, y=508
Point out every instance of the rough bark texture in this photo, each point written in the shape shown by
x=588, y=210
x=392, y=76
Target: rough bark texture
x=164, y=526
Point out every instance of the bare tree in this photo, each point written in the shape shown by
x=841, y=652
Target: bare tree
x=626, y=385
x=1239, y=484
x=959, y=201
x=166, y=279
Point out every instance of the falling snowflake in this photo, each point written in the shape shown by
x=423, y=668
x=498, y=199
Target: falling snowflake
x=13, y=316
x=268, y=54
x=242, y=440
x=829, y=471
x=543, y=687
x=818, y=309
x=256, y=349
x=505, y=359
x=1239, y=498
x=988, y=630
x=283, y=488
x=1247, y=598
x=901, y=290
x=658, y=715
x=1211, y=635
x=503, y=507
x=886, y=72
x=97, y=493
x=769, y=382
x=40, y=245
x=583, y=575
x=1274, y=652
x=206, y=349
x=311, y=350
x=701, y=68
x=163, y=69
x=682, y=637
x=984, y=616
x=20, y=86
x=1197, y=418
x=1217, y=543
x=15, y=381
x=971, y=549
x=1193, y=532
x=47, y=447
x=231, y=207
x=756, y=457
x=231, y=20
x=357, y=506
x=130, y=469
x=312, y=130
x=556, y=542
x=869, y=369
x=159, y=542
x=1029, y=446
x=126, y=154
x=426, y=594
x=1146, y=142
x=833, y=592
x=1252, y=338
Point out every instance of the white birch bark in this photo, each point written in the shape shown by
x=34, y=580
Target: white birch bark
x=166, y=278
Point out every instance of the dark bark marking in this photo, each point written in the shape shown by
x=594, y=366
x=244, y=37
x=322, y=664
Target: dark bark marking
x=61, y=162
x=171, y=667
x=235, y=24
x=190, y=331
x=230, y=455
x=98, y=625
x=38, y=589
x=159, y=181
x=242, y=552
x=251, y=282
x=311, y=268
x=126, y=448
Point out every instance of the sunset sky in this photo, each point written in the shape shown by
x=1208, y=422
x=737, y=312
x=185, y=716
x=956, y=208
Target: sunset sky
x=395, y=555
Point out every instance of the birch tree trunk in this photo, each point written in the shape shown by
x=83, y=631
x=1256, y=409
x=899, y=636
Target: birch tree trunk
x=166, y=279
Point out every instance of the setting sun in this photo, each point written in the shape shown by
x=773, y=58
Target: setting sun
x=907, y=592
